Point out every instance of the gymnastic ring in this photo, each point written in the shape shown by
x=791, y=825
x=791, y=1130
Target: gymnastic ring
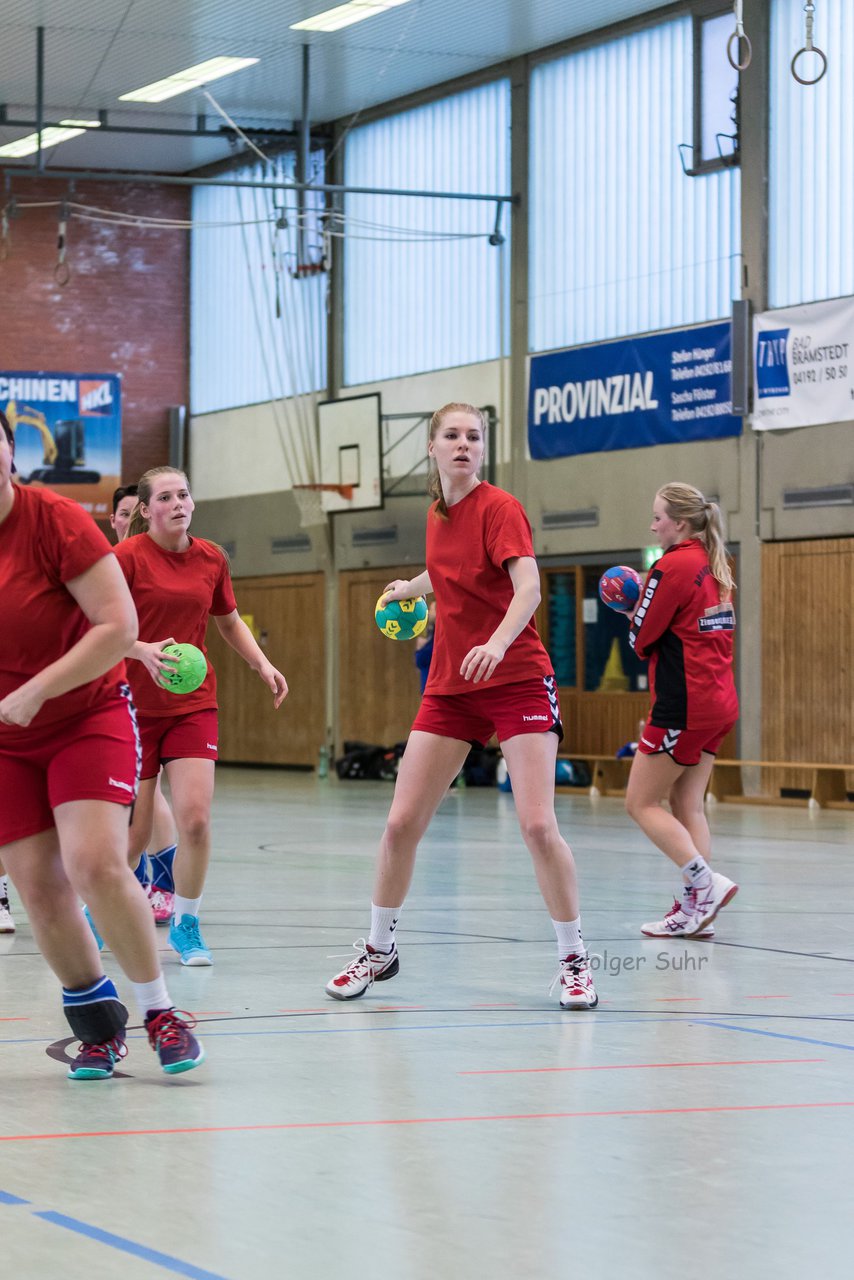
x=821, y=74
x=739, y=66
x=61, y=274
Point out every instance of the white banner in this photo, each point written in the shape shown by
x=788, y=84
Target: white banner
x=803, y=366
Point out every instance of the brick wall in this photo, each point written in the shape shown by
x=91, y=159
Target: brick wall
x=125, y=308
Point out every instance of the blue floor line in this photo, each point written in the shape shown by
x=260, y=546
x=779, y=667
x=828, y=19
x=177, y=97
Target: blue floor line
x=164, y=1260
x=6, y=1197
x=773, y=1035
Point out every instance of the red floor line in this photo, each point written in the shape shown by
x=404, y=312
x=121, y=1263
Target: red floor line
x=14, y=1019
x=676, y=999
x=641, y=1066
x=414, y=1120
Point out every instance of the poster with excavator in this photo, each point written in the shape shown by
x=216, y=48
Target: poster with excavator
x=68, y=433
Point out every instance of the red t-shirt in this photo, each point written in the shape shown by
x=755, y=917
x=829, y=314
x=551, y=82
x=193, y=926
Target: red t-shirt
x=45, y=542
x=175, y=592
x=687, y=633
x=466, y=558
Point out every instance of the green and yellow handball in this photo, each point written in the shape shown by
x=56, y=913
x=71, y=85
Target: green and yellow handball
x=401, y=619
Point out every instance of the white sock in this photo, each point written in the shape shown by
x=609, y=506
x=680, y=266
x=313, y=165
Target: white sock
x=697, y=873
x=383, y=924
x=186, y=907
x=569, y=940
x=4, y=888
x=151, y=995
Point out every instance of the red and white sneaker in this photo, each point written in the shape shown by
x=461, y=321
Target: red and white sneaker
x=162, y=905
x=576, y=983
x=369, y=966
x=711, y=900
x=678, y=923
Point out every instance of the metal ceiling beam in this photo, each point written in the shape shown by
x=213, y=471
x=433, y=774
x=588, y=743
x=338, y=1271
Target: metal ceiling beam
x=221, y=133
x=174, y=180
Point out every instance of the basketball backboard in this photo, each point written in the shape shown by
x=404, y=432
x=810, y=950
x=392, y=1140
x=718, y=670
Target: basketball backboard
x=350, y=444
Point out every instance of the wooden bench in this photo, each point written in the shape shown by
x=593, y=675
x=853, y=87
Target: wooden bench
x=827, y=782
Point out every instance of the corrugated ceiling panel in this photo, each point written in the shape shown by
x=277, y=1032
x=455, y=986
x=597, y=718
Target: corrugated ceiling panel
x=621, y=240
x=811, y=213
x=415, y=301
x=256, y=333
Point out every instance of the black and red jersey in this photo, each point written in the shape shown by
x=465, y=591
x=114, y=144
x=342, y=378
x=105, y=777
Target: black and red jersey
x=686, y=632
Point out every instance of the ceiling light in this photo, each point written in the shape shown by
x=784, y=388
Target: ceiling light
x=189, y=78
x=51, y=137
x=344, y=15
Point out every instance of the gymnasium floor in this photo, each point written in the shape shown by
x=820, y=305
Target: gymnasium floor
x=454, y=1123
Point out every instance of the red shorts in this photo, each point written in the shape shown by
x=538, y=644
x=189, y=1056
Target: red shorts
x=91, y=757
x=684, y=746
x=528, y=706
x=190, y=737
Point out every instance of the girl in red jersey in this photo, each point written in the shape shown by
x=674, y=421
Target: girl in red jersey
x=178, y=583
x=154, y=872
x=489, y=673
x=69, y=759
x=684, y=625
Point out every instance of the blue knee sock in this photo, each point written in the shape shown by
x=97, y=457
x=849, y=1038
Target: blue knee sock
x=161, y=869
x=143, y=871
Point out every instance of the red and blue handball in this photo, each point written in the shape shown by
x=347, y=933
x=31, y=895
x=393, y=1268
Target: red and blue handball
x=620, y=588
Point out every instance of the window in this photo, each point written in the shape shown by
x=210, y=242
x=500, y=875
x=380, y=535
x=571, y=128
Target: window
x=621, y=240
x=257, y=333
x=811, y=195
x=716, y=126
x=423, y=287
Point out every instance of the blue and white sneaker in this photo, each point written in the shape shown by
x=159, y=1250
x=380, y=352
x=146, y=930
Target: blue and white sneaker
x=100, y=941
x=187, y=940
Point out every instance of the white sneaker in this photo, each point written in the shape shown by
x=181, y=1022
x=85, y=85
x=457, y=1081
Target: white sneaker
x=576, y=983
x=370, y=966
x=711, y=900
x=7, y=924
x=676, y=924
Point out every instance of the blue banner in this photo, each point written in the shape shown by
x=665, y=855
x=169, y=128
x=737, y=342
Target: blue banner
x=68, y=433
x=664, y=389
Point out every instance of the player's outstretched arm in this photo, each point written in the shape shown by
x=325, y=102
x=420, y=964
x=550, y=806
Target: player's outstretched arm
x=235, y=633
x=104, y=598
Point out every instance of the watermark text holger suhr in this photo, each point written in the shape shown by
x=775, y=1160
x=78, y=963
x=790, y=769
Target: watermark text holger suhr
x=688, y=960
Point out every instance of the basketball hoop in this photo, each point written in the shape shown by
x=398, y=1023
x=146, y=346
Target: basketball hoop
x=309, y=498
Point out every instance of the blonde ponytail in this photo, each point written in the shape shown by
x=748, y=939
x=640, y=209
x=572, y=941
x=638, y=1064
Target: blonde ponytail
x=705, y=522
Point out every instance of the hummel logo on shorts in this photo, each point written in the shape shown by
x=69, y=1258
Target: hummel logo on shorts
x=211, y=746
x=125, y=786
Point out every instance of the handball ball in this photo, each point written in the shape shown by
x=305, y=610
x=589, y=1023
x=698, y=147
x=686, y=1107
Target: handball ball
x=191, y=669
x=620, y=588
x=401, y=619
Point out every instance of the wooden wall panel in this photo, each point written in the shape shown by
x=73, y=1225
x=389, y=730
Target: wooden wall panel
x=290, y=610
x=379, y=688
x=600, y=722
x=808, y=641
